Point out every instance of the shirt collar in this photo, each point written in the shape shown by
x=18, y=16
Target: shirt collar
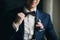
x=26, y=10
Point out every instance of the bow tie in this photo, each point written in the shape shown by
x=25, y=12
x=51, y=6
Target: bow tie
x=31, y=13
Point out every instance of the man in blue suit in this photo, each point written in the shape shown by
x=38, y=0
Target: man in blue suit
x=30, y=24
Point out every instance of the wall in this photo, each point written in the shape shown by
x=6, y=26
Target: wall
x=52, y=7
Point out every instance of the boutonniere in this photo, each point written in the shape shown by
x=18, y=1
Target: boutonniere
x=39, y=24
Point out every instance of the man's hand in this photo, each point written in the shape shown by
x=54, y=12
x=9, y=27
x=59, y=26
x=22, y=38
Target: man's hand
x=19, y=19
x=39, y=25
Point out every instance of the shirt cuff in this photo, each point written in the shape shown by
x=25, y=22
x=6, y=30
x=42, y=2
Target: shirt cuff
x=15, y=26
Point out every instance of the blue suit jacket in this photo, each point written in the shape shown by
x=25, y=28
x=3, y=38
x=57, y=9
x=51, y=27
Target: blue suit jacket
x=39, y=35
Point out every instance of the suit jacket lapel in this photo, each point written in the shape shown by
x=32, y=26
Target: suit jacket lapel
x=21, y=31
x=38, y=16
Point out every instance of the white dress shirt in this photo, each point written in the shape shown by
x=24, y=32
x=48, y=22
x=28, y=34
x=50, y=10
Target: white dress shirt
x=29, y=22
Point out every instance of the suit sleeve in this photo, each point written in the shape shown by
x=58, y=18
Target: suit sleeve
x=50, y=33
